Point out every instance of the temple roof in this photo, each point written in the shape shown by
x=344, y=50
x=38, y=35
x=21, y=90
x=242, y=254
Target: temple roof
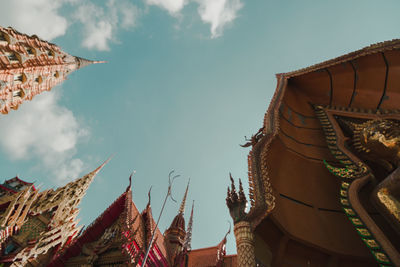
x=150, y=223
x=287, y=156
x=136, y=230
x=95, y=229
x=210, y=256
x=14, y=185
x=371, y=49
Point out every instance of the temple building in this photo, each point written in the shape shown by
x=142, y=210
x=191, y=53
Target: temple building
x=34, y=224
x=121, y=235
x=29, y=66
x=324, y=175
x=40, y=229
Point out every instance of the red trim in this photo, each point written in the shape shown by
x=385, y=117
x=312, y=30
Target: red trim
x=8, y=189
x=22, y=181
x=93, y=231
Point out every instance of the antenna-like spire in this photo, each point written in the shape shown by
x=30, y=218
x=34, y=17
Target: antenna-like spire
x=188, y=238
x=101, y=166
x=83, y=62
x=182, y=207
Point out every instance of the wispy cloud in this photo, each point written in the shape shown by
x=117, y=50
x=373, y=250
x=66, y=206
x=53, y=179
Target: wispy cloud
x=44, y=130
x=40, y=17
x=100, y=25
x=218, y=13
x=172, y=6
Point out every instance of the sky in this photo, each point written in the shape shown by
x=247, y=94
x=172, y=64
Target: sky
x=185, y=81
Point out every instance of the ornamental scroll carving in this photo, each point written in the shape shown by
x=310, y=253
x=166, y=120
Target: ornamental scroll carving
x=94, y=249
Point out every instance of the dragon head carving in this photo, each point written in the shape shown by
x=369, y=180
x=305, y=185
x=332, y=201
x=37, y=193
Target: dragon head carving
x=378, y=139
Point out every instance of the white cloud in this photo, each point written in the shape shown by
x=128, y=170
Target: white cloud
x=40, y=17
x=129, y=14
x=97, y=30
x=100, y=25
x=172, y=6
x=218, y=13
x=43, y=129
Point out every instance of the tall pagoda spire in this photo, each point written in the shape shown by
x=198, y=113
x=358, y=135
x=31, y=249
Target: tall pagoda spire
x=175, y=235
x=187, y=244
x=30, y=66
x=60, y=208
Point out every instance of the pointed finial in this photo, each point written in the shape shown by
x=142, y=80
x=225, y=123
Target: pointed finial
x=233, y=194
x=182, y=207
x=232, y=183
x=149, y=195
x=130, y=180
x=101, y=166
x=83, y=62
x=242, y=196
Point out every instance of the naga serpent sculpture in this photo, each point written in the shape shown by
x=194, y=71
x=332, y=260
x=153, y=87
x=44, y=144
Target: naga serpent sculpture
x=367, y=146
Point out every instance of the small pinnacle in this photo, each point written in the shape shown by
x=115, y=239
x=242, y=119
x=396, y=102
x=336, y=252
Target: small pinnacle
x=182, y=207
x=101, y=166
x=99, y=61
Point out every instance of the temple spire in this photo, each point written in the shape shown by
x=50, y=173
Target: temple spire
x=188, y=239
x=83, y=62
x=64, y=203
x=182, y=207
x=30, y=66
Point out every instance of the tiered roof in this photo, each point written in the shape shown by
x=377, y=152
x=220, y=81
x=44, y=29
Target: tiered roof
x=286, y=163
x=132, y=239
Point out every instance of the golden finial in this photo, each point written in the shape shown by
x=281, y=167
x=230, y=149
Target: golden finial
x=182, y=207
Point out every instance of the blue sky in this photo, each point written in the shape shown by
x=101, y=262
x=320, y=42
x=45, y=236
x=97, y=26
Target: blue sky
x=184, y=83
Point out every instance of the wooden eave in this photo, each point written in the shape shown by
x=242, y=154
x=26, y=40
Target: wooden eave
x=293, y=146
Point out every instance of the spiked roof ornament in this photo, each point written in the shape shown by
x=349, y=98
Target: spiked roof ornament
x=188, y=238
x=182, y=207
x=130, y=181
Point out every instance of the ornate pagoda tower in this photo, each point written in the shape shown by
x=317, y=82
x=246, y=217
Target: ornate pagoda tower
x=175, y=235
x=36, y=225
x=324, y=170
x=29, y=66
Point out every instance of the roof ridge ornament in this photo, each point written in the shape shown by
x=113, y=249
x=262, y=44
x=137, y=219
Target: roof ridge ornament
x=149, y=197
x=130, y=181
